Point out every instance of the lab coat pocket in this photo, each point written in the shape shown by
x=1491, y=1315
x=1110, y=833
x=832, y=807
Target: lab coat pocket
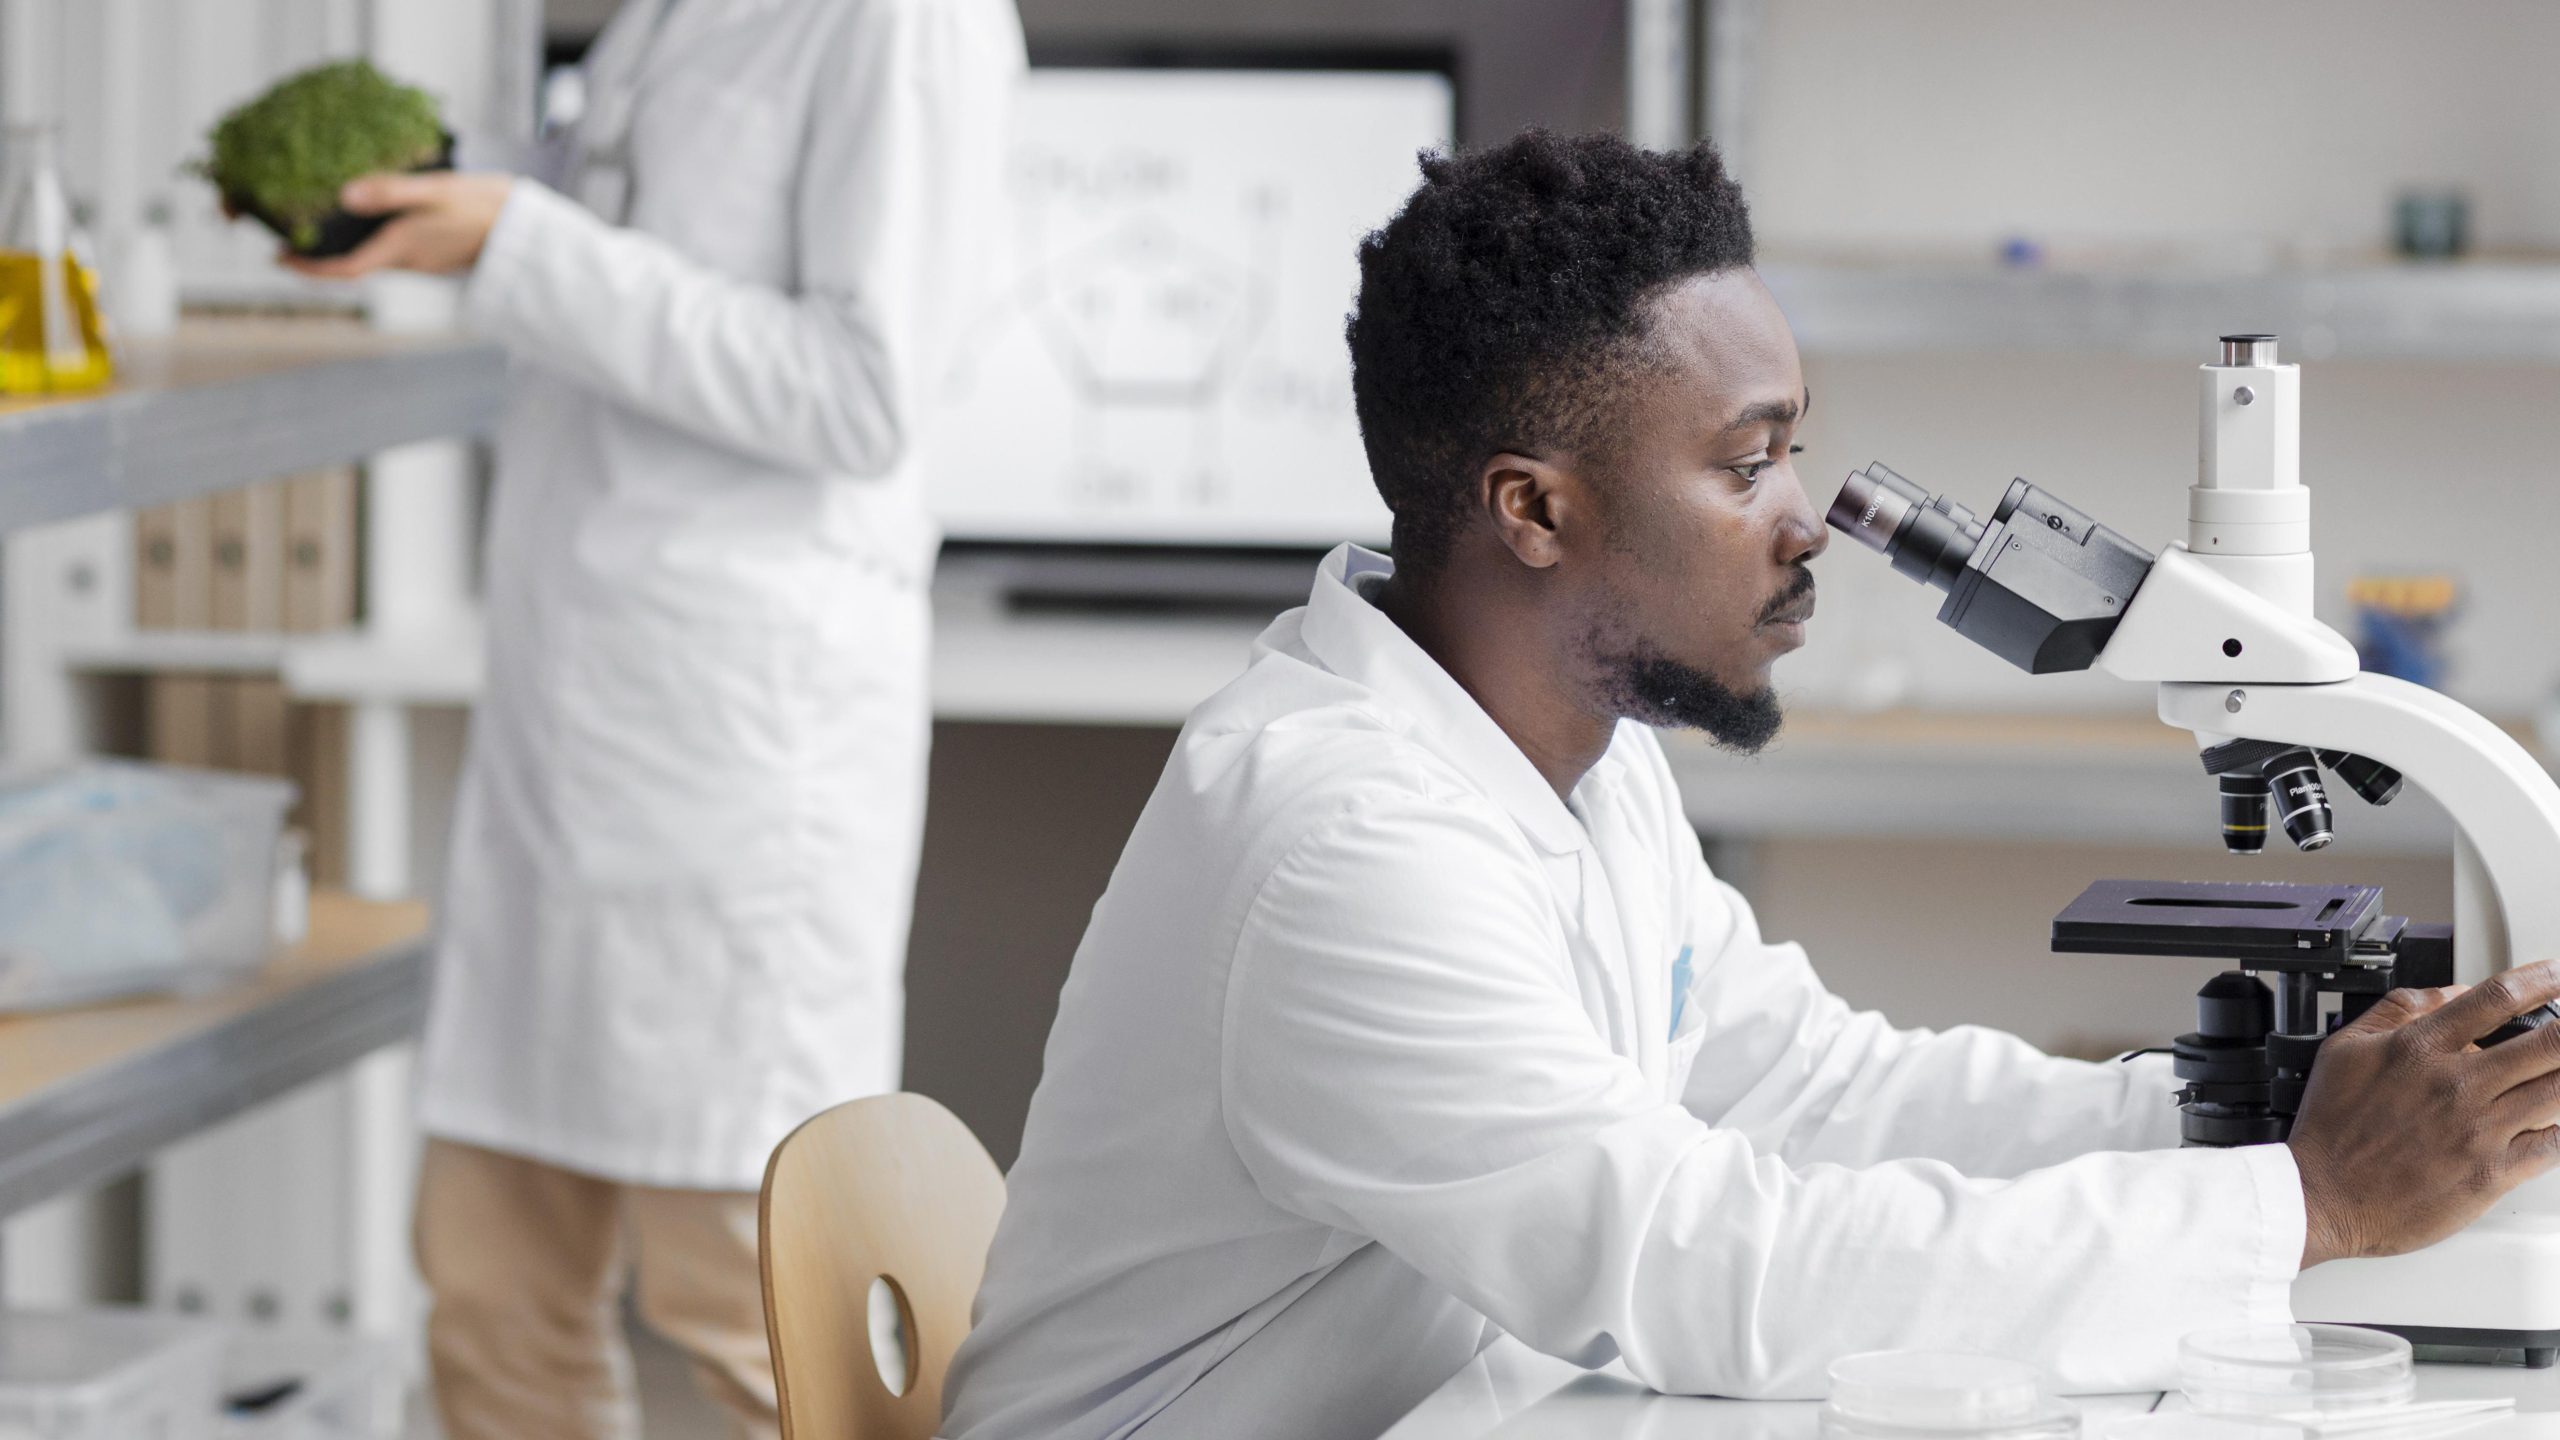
x=675, y=761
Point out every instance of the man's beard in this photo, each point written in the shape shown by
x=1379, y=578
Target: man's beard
x=1665, y=693
x=1644, y=684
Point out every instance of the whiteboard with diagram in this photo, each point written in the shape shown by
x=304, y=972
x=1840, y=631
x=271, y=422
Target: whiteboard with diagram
x=1162, y=358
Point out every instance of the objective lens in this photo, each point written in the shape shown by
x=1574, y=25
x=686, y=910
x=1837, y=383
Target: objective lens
x=2375, y=782
x=1927, y=538
x=2244, y=814
x=2301, y=802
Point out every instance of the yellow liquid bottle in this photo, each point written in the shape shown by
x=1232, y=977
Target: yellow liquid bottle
x=31, y=360
x=52, y=336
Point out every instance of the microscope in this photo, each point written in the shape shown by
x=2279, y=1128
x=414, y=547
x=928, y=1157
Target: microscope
x=2221, y=623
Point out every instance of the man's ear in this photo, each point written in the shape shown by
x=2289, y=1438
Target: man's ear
x=1528, y=501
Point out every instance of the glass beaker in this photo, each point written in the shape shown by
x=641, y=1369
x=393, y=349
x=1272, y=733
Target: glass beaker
x=52, y=338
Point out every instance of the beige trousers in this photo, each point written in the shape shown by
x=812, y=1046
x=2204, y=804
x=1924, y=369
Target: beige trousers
x=527, y=1263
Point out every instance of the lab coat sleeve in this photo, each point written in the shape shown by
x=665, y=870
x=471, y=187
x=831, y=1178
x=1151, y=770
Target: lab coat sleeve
x=1404, y=1058
x=1806, y=1077
x=822, y=379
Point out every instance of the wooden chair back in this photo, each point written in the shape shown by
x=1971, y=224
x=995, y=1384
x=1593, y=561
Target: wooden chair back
x=891, y=1188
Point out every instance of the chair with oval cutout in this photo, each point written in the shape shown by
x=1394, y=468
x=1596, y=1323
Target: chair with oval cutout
x=874, y=1226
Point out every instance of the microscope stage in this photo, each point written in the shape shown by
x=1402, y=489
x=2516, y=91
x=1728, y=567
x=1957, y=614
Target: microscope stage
x=2255, y=925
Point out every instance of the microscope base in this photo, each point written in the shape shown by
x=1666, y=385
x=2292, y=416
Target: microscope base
x=2541, y=1347
x=2494, y=1286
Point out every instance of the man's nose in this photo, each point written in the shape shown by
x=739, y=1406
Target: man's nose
x=1801, y=533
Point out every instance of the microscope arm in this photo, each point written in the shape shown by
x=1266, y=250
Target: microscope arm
x=2232, y=664
x=2504, y=804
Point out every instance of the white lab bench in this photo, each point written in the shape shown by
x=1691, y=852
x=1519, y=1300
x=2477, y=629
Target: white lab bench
x=1553, y=1401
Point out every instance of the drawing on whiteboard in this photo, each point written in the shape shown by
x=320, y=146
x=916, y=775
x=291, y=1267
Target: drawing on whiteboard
x=1150, y=324
x=1163, y=358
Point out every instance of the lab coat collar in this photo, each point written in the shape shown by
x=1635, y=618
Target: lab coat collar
x=1355, y=640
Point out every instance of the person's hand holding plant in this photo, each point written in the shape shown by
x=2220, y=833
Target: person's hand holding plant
x=438, y=223
x=323, y=152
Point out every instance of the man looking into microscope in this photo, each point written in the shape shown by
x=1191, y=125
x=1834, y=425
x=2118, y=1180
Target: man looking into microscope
x=1412, y=1016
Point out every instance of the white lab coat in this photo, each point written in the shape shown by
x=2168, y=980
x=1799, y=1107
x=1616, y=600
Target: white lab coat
x=1372, y=1054
x=685, y=848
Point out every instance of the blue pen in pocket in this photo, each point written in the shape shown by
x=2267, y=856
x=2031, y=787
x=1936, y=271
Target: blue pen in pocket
x=1679, y=988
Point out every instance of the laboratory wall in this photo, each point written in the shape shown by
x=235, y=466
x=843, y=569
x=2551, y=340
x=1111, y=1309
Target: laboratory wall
x=1023, y=830
x=2188, y=130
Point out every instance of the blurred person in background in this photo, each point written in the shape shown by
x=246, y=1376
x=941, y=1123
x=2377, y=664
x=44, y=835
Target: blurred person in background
x=685, y=847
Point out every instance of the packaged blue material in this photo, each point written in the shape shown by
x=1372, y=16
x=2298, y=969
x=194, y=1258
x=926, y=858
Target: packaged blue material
x=121, y=878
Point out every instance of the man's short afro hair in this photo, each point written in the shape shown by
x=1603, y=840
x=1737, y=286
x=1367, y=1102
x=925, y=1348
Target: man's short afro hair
x=1506, y=305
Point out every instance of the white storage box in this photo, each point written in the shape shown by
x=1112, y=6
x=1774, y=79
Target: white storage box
x=119, y=878
x=310, y=1387
x=108, y=1375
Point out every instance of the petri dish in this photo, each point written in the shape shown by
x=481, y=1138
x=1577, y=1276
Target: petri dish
x=2294, y=1370
x=1887, y=1394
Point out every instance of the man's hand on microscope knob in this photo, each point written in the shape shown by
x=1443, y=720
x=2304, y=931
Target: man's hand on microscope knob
x=2409, y=1130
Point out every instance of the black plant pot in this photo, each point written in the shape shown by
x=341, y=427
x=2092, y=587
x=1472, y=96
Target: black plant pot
x=340, y=232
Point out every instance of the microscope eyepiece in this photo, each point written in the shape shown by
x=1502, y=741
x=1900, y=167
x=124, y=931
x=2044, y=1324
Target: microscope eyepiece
x=1872, y=505
x=1925, y=537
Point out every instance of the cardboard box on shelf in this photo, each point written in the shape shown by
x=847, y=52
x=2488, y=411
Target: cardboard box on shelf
x=173, y=566
x=178, y=719
x=248, y=558
x=320, y=550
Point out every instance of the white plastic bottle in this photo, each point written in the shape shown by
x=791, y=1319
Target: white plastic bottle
x=144, y=297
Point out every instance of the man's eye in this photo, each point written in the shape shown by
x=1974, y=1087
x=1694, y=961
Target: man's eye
x=1750, y=469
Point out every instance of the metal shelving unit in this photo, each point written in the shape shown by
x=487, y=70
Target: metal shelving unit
x=153, y=1071
x=439, y=668
x=229, y=402
x=226, y=402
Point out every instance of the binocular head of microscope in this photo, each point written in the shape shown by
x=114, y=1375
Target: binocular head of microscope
x=2043, y=586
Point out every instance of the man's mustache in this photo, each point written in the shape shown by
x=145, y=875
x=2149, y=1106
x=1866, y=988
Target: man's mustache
x=1796, y=590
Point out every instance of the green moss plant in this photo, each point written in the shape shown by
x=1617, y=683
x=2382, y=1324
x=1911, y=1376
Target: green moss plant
x=283, y=156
